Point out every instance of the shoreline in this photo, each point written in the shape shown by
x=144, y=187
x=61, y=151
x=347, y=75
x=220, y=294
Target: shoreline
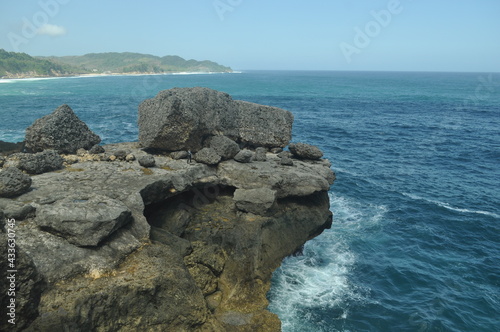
x=6, y=79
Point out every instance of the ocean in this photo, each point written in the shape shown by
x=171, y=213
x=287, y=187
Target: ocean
x=415, y=243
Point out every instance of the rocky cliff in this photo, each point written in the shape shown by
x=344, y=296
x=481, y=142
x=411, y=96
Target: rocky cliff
x=125, y=238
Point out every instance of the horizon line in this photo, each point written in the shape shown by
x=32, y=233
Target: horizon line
x=376, y=71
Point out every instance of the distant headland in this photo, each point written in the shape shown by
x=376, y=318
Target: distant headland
x=21, y=65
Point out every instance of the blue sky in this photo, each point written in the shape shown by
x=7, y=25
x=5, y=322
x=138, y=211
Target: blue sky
x=403, y=35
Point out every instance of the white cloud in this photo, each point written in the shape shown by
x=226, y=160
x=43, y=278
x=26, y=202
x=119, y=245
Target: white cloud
x=51, y=30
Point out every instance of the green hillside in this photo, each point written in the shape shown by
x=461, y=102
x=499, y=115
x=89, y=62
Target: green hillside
x=18, y=65
x=137, y=63
x=21, y=65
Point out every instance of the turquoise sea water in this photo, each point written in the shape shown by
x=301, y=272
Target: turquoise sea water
x=415, y=244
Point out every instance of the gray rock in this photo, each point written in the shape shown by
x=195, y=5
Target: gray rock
x=256, y=201
x=182, y=246
x=108, y=156
x=62, y=131
x=260, y=154
x=16, y=210
x=305, y=151
x=205, y=263
x=147, y=161
x=13, y=182
x=151, y=291
x=286, y=161
x=304, y=179
x=207, y=156
x=121, y=154
x=7, y=148
x=2, y=161
x=286, y=154
x=42, y=162
x=259, y=125
x=148, y=286
x=179, y=155
x=181, y=118
x=224, y=146
x=96, y=149
x=276, y=150
x=57, y=258
x=83, y=220
x=29, y=287
x=244, y=156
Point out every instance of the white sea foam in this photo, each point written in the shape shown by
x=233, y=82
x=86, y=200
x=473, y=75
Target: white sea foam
x=198, y=73
x=320, y=278
x=31, y=79
x=14, y=80
x=306, y=283
x=450, y=207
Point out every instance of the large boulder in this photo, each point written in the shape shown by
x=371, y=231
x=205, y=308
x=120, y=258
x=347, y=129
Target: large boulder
x=96, y=149
x=260, y=154
x=83, y=220
x=305, y=151
x=207, y=156
x=147, y=161
x=42, y=162
x=224, y=146
x=13, y=182
x=182, y=118
x=179, y=155
x=62, y=131
x=244, y=156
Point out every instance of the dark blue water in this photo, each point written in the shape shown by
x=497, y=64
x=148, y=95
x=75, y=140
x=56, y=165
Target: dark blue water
x=415, y=244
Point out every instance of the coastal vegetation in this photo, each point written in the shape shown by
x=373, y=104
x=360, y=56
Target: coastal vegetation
x=137, y=63
x=19, y=65
x=22, y=65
